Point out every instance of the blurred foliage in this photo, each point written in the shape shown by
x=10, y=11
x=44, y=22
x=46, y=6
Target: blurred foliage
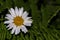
x=46, y=16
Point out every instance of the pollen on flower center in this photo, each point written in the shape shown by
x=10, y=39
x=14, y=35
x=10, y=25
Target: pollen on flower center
x=18, y=21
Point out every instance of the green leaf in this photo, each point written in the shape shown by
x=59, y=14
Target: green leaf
x=48, y=13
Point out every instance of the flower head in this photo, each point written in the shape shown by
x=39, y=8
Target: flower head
x=17, y=20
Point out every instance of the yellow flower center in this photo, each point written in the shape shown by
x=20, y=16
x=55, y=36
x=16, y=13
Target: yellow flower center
x=18, y=21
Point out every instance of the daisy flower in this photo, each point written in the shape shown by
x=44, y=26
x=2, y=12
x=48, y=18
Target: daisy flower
x=17, y=20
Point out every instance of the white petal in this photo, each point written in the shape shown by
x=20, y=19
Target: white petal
x=27, y=21
x=23, y=28
x=9, y=16
x=12, y=12
x=25, y=14
x=13, y=30
x=17, y=31
x=27, y=24
x=8, y=26
x=16, y=11
x=20, y=11
x=7, y=22
x=11, y=26
x=28, y=18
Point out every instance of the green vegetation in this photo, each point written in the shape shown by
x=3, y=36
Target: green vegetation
x=45, y=15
